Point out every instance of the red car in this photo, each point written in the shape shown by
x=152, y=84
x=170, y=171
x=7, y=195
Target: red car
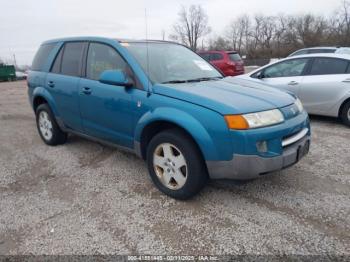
x=229, y=62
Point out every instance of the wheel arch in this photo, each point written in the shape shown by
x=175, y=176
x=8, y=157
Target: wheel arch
x=342, y=106
x=166, y=118
x=37, y=101
x=41, y=95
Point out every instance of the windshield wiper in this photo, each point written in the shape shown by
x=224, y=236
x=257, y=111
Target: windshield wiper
x=175, y=82
x=192, y=80
x=204, y=79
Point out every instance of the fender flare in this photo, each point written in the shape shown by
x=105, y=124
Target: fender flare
x=340, y=105
x=42, y=92
x=183, y=120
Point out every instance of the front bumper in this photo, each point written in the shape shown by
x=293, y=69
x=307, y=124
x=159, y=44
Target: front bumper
x=243, y=167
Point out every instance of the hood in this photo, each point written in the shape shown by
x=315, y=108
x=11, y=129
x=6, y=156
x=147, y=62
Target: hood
x=226, y=96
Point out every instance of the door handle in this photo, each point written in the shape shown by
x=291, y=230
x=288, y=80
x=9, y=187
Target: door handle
x=293, y=83
x=346, y=80
x=87, y=90
x=51, y=84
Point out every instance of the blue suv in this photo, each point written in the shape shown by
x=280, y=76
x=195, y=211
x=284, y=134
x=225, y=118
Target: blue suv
x=165, y=103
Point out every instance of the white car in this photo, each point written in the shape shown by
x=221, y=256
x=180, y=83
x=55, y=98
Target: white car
x=321, y=81
x=321, y=49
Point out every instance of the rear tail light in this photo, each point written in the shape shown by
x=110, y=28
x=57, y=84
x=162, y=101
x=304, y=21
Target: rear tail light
x=231, y=63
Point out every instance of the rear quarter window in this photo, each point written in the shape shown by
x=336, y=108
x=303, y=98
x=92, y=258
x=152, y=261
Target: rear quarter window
x=41, y=56
x=234, y=57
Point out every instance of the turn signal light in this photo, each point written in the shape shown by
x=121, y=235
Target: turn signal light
x=236, y=122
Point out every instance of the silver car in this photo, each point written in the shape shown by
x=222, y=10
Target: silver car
x=321, y=81
x=321, y=49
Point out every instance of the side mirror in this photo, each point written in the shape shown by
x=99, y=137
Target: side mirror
x=260, y=75
x=115, y=77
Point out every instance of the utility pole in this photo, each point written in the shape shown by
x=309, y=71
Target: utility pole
x=14, y=61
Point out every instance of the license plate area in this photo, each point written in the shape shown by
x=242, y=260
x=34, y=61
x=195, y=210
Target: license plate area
x=303, y=150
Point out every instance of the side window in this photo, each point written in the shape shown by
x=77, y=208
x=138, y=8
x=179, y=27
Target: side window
x=216, y=56
x=316, y=51
x=287, y=68
x=41, y=57
x=205, y=56
x=301, y=52
x=71, y=60
x=56, y=67
x=328, y=66
x=102, y=57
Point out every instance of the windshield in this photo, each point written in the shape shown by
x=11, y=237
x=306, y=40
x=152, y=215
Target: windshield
x=171, y=63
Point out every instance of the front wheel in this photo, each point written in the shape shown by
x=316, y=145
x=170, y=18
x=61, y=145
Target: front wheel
x=176, y=165
x=345, y=114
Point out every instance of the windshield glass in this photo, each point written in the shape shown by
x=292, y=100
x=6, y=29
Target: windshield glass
x=171, y=62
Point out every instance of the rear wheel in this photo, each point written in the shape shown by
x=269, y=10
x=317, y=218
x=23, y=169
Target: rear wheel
x=345, y=114
x=176, y=165
x=47, y=126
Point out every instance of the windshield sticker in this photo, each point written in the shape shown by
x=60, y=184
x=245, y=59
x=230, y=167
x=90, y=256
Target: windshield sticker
x=203, y=65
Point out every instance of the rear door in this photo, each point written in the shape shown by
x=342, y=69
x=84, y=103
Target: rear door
x=105, y=109
x=325, y=84
x=62, y=83
x=286, y=75
x=38, y=72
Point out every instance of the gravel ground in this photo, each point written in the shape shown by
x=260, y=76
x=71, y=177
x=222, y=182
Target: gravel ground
x=85, y=198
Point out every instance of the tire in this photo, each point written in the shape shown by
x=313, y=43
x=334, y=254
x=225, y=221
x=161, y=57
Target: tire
x=345, y=114
x=48, y=128
x=176, y=165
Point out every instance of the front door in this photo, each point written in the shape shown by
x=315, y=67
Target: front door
x=286, y=75
x=105, y=109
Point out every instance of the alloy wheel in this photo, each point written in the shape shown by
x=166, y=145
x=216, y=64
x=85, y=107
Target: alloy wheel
x=170, y=166
x=45, y=125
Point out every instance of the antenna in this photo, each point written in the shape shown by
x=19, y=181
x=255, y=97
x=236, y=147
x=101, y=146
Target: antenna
x=147, y=58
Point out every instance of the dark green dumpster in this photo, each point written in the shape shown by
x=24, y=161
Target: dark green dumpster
x=7, y=72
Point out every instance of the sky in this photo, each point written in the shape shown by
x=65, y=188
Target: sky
x=24, y=24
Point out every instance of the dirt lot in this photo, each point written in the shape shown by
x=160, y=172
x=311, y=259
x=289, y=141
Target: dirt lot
x=84, y=198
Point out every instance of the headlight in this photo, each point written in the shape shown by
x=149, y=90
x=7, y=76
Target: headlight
x=254, y=120
x=299, y=105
